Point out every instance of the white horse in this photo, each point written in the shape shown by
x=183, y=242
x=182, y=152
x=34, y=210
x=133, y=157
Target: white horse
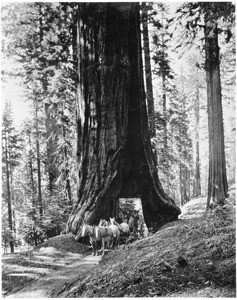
x=116, y=232
x=123, y=227
x=131, y=224
x=90, y=231
x=103, y=223
x=105, y=234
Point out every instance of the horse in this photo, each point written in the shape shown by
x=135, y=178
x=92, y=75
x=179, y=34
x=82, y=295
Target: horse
x=120, y=215
x=131, y=224
x=123, y=227
x=90, y=231
x=140, y=229
x=103, y=222
x=116, y=232
x=104, y=233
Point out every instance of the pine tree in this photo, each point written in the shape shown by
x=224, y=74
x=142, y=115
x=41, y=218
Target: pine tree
x=11, y=146
x=196, y=90
x=217, y=182
x=165, y=76
x=211, y=13
x=46, y=50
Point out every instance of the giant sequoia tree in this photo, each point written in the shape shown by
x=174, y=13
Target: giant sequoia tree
x=217, y=181
x=114, y=151
x=218, y=18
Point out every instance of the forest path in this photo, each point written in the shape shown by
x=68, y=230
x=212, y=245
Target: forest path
x=66, y=267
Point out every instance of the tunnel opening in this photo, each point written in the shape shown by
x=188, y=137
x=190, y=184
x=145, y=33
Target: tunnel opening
x=132, y=207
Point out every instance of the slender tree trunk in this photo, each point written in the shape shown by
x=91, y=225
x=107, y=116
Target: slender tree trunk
x=11, y=163
x=40, y=202
x=49, y=122
x=32, y=181
x=114, y=152
x=165, y=113
x=66, y=171
x=9, y=202
x=164, y=160
x=38, y=160
x=68, y=189
x=217, y=181
x=181, y=184
x=74, y=37
x=188, y=189
x=197, y=175
x=184, y=184
x=183, y=172
x=50, y=164
x=148, y=74
x=164, y=80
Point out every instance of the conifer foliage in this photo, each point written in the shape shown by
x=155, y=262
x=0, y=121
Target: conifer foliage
x=11, y=153
x=87, y=140
x=214, y=19
x=44, y=50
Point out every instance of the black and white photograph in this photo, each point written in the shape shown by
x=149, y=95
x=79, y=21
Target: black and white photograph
x=118, y=129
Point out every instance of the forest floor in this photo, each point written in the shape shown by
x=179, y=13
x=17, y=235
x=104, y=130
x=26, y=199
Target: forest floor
x=191, y=257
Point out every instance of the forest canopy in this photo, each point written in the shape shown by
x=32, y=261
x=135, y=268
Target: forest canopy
x=126, y=101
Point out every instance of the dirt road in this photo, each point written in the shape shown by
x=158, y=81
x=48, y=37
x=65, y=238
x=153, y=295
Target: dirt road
x=70, y=266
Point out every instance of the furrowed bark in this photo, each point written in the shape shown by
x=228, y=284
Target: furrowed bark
x=217, y=182
x=115, y=158
x=148, y=73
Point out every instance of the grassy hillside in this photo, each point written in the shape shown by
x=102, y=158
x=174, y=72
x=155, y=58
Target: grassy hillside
x=188, y=257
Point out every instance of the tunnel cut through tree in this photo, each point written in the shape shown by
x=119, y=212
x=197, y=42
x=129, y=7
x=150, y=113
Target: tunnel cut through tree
x=114, y=153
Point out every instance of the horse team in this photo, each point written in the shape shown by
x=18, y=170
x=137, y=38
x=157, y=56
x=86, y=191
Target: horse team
x=107, y=232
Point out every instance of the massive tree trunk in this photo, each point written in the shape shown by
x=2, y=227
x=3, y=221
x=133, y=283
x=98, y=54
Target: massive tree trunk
x=148, y=74
x=217, y=181
x=114, y=152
